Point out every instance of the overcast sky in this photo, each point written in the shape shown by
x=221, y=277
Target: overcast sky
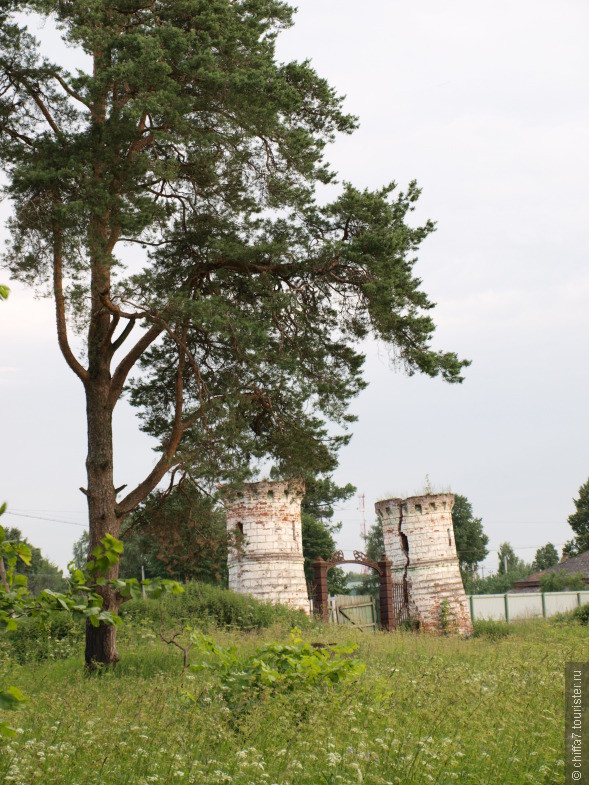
x=486, y=105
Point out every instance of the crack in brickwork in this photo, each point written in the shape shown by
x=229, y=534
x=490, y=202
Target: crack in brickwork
x=405, y=549
x=423, y=557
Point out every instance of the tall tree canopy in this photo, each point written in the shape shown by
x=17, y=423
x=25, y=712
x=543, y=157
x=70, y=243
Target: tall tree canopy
x=546, y=556
x=471, y=541
x=579, y=523
x=188, y=139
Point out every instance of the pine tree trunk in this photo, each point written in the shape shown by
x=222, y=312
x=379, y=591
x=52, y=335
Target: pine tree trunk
x=101, y=646
x=101, y=641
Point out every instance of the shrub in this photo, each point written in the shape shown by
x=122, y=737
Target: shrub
x=208, y=605
x=52, y=638
x=295, y=666
x=582, y=614
x=489, y=628
x=562, y=581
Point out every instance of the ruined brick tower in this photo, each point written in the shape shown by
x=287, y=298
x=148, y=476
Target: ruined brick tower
x=266, y=543
x=419, y=542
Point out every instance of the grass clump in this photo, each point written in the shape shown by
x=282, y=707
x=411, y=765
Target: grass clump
x=492, y=629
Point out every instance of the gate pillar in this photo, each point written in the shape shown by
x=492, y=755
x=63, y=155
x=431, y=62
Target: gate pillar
x=320, y=594
x=387, y=614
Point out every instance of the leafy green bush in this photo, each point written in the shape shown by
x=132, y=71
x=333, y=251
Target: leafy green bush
x=293, y=666
x=44, y=638
x=562, y=581
x=489, y=628
x=208, y=605
x=582, y=614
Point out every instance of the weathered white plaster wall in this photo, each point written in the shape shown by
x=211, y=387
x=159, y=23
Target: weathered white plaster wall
x=265, y=543
x=419, y=542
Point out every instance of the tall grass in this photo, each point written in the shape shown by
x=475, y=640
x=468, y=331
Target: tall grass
x=426, y=709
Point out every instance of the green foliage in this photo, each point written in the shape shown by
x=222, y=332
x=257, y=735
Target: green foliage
x=201, y=604
x=374, y=549
x=81, y=551
x=52, y=637
x=579, y=522
x=39, y=571
x=471, y=541
x=561, y=580
x=374, y=543
x=16, y=604
x=317, y=511
x=492, y=629
x=458, y=708
x=446, y=617
x=500, y=582
x=319, y=542
x=292, y=667
x=506, y=555
x=10, y=699
x=186, y=135
x=4, y=291
x=321, y=496
x=81, y=601
x=180, y=535
x=581, y=614
x=546, y=556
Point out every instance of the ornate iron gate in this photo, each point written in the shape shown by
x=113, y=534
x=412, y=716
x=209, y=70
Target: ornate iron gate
x=393, y=602
x=400, y=605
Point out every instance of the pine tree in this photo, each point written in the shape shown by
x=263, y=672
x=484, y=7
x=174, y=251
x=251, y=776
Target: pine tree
x=187, y=139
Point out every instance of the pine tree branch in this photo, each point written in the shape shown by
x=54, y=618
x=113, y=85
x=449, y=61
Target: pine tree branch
x=111, y=330
x=123, y=336
x=35, y=95
x=123, y=369
x=75, y=95
x=16, y=135
x=141, y=491
x=62, y=334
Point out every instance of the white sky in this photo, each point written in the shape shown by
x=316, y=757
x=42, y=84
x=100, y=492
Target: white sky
x=486, y=106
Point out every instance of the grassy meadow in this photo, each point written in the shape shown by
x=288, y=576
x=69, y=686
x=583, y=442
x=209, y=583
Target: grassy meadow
x=425, y=709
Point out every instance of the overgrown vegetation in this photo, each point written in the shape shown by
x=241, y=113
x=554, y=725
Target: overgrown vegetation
x=210, y=606
x=424, y=709
x=560, y=580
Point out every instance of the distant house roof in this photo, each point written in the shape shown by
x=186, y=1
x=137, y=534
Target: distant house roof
x=575, y=564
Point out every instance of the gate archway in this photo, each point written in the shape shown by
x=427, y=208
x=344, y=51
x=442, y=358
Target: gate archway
x=393, y=609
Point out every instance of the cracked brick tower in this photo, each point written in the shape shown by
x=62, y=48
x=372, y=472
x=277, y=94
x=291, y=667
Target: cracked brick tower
x=419, y=542
x=265, y=554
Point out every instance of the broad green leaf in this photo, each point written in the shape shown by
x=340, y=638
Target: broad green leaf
x=11, y=698
x=7, y=731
